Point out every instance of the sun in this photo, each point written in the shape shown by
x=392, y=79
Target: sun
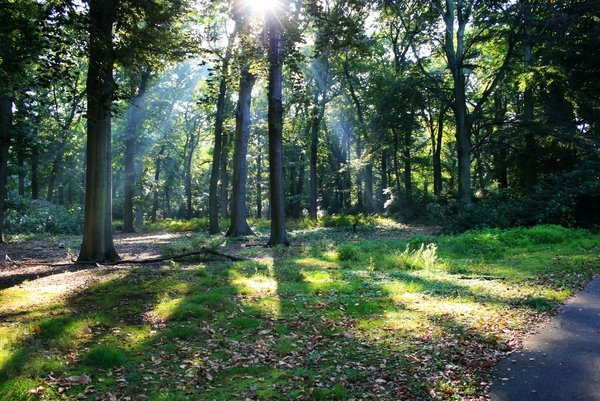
x=262, y=6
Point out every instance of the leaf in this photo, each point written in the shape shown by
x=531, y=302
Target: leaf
x=79, y=380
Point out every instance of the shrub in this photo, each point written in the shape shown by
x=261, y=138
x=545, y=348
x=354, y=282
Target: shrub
x=24, y=216
x=423, y=258
x=348, y=252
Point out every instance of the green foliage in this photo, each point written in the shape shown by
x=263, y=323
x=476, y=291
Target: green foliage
x=24, y=216
x=418, y=259
x=348, y=252
x=233, y=323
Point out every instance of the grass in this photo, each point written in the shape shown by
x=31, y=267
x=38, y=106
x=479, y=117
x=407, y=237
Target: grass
x=370, y=314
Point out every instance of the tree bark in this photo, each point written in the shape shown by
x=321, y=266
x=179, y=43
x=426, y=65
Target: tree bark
x=407, y=169
x=6, y=101
x=530, y=142
x=239, y=225
x=224, y=199
x=259, y=182
x=213, y=190
x=130, y=145
x=97, y=242
x=21, y=169
x=275, y=123
x=35, y=161
x=296, y=208
x=397, y=171
x=321, y=68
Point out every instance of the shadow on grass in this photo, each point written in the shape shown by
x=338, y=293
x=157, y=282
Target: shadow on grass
x=279, y=328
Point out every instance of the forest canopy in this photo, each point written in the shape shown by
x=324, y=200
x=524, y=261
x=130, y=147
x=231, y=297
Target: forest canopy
x=469, y=114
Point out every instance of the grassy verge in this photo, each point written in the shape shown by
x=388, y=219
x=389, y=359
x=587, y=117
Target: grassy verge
x=373, y=315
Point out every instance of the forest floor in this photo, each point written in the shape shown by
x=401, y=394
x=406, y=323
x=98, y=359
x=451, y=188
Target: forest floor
x=337, y=315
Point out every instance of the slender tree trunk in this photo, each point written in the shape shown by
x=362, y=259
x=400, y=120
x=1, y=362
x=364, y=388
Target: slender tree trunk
x=275, y=123
x=35, y=161
x=97, y=242
x=530, y=142
x=437, y=154
x=314, y=145
x=21, y=174
x=137, y=93
x=54, y=172
x=58, y=158
x=224, y=199
x=157, y=166
x=297, y=207
x=454, y=49
x=321, y=68
x=188, y=175
x=6, y=102
x=384, y=182
x=407, y=170
x=397, y=172
x=215, y=174
x=259, y=182
x=239, y=225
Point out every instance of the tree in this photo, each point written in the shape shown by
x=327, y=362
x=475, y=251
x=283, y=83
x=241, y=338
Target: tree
x=21, y=43
x=137, y=94
x=97, y=242
x=457, y=49
x=273, y=21
x=218, y=150
x=239, y=225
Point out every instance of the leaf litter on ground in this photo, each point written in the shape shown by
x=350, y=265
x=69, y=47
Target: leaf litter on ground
x=338, y=331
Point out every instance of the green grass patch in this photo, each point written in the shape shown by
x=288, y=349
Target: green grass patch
x=341, y=316
x=105, y=357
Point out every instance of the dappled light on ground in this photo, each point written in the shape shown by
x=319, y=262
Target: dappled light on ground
x=328, y=319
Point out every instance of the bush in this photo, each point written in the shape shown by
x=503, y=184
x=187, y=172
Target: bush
x=24, y=216
x=423, y=258
x=348, y=252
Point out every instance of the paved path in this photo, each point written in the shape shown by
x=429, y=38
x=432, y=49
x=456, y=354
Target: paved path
x=562, y=361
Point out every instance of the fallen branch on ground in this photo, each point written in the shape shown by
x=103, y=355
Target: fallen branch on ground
x=183, y=255
x=481, y=278
x=159, y=259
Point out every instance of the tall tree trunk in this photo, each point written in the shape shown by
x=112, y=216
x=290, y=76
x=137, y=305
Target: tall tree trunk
x=368, y=170
x=397, y=172
x=137, y=93
x=275, y=123
x=97, y=242
x=157, y=166
x=297, y=207
x=193, y=142
x=259, y=182
x=65, y=128
x=215, y=174
x=21, y=174
x=321, y=68
x=224, y=199
x=384, y=182
x=455, y=50
x=407, y=170
x=6, y=102
x=437, y=155
x=35, y=162
x=530, y=142
x=55, y=167
x=239, y=225
x=314, y=145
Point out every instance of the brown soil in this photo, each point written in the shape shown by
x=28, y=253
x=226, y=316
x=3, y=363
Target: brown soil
x=43, y=263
